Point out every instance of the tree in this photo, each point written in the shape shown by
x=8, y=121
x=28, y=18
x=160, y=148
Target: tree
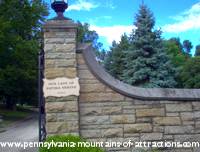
x=197, y=51
x=190, y=74
x=108, y=61
x=117, y=58
x=20, y=32
x=187, y=46
x=85, y=35
x=147, y=63
x=178, y=58
x=177, y=41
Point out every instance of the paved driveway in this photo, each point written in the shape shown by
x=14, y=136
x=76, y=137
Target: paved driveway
x=23, y=131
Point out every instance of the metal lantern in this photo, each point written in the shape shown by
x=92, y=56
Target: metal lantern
x=59, y=6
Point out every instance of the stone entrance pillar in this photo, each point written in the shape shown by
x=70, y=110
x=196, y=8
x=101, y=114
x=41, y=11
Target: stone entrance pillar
x=62, y=116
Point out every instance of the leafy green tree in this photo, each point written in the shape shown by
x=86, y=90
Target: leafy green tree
x=177, y=41
x=190, y=74
x=177, y=57
x=187, y=46
x=20, y=31
x=197, y=52
x=118, y=54
x=85, y=35
x=147, y=63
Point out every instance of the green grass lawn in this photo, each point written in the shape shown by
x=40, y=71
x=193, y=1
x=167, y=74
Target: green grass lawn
x=10, y=116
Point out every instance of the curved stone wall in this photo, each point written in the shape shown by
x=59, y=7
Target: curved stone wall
x=107, y=109
x=110, y=110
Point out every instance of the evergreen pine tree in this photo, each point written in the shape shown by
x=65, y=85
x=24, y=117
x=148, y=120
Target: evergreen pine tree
x=147, y=63
x=117, y=58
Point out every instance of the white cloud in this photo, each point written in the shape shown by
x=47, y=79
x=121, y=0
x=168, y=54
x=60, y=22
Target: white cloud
x=82, y=5
x=109, y=4
x=100, y=19
x=112, y=33
x=186, y=21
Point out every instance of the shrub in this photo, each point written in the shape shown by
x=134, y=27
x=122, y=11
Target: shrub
x=72, y=141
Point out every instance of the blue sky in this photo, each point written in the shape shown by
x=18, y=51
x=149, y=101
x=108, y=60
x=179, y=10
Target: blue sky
x=111, y=18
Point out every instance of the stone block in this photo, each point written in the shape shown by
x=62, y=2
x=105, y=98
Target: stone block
x=158, y=129
x=51, y=117
x=144, y=120
x=85, y=74
x=99, y=87
x=168, y=137
x=108, y=89
x=187, y=116
x=145, y=102
x=96, y=97
x=49, y=48
x=59, y=107
x=111, y=110
x=63, y=63
x=93, y=111
x=197, y=114
x=197, y=125
x=49, y=63
x=113, y=132
x=188, y=122
x=150, y=112
x=167, y=120
x=179, y=129
x=70, y=72
x=56, y=34
x=91, y=133
x=82, y=67
x=122, y=119
x=88, y=81
x=60, y=40
x=132, y=106
x=134, y=136
x=151, y=136
x=52, y=73
x=54, y=40
x=62, y=117
x=65, y=48
x=61, y=99
x=184, y=107
x=60, y=55
x=129, y=111
x=196, y=105
x=172, y=114
x=101, y=126
x=62, y=127
x=137, y=128
x=65, y=117
x=80, y=59
x=89, y=120
x=188, y=137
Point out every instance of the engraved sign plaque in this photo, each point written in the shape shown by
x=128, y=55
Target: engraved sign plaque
x=61, y=87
